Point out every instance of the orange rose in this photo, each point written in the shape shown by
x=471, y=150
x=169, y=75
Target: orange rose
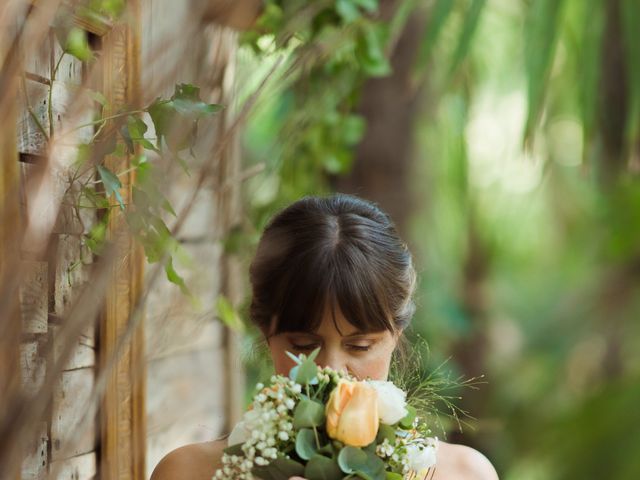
x=352, y=413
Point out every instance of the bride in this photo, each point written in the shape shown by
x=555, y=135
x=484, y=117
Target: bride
x=330, y=272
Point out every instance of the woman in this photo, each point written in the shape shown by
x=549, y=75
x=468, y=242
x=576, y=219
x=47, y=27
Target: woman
x=331, y=273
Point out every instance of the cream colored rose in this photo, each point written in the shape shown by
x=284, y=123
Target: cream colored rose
x=392, y=402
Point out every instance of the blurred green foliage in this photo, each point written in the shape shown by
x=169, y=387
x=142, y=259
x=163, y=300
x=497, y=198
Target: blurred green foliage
x=527, y=231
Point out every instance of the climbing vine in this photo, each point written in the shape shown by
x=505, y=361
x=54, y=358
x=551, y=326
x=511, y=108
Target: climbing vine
x=311, y=126
x=127, y=133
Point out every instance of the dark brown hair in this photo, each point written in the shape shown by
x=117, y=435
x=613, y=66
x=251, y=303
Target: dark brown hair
x=340, y=251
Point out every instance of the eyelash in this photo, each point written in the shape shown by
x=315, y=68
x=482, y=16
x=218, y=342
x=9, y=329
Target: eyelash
x=306, y=348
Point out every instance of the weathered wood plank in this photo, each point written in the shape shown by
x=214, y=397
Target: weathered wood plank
x=34, y=296
x=169, y=54
x=83, y=354
x=200, y=224
x=38, y=63
x=175, y=323
x=33, y=121
x=71, y=272
x=33, y=366
x=35, y=461
x=70, y=69
x=82, y=467
x=70, y=404
x=185, y=386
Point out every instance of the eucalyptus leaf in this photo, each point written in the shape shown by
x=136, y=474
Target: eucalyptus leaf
x=306, y=444
x=385, y=432
x=353, y=460
x=308, y=413
x=320, y=467
x=308, y=370
x=279, y=469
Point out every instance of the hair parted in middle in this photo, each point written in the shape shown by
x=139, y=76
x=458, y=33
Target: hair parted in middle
x=338, y=251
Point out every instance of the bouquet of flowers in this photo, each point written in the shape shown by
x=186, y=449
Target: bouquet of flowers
x=326, y=425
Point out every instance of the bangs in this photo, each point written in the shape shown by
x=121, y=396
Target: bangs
x=342, y=278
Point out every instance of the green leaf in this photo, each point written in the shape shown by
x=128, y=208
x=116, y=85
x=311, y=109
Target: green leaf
x=234, y=450
x=95, y=239
x=186, y=101
x=279, y=469
x=353, y=460
x=348, y=10
x=308, y=413
x=630, y=17
x=97, y=200
x=228, y=315
x=306, y=444
x=111, y=183
x=393, y=476
x=295, y=358
x=438, y=18
x=407, y=421
x=161, y=113
x=320, y=467
x=308, y=370
x=385, y=432
x=174, y=277
x=97, y=97
x=541, y=33
x=370, y=51
x=77, y=44
x=353, y=128
x=370, y=6
x=113, y=8
x=468, y=30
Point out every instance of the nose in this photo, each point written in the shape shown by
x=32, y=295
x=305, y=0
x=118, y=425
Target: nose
x=332, y=357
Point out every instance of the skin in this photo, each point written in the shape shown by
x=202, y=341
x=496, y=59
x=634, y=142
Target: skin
x=363, y=354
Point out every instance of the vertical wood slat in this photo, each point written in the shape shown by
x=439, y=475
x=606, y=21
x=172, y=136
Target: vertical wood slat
x=122, y=415
x=10, y=225
x=230, y=214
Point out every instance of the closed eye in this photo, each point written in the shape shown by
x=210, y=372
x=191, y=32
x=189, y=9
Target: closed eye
x=304, y=348
x=359, y=348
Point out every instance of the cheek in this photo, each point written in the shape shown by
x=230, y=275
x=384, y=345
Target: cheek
x=374, y=366
x=281, y=361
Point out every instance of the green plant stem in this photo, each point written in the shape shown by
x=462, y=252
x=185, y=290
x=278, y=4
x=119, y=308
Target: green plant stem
x=315, y=433
x=49, y=107
x=32, y=114
x=105, y=119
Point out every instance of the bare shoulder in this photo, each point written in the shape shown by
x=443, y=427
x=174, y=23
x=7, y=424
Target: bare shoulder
x=197, y=461
x=462, y=463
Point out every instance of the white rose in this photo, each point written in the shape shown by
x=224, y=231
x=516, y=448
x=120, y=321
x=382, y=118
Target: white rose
x=421, y=457
x=392, y=402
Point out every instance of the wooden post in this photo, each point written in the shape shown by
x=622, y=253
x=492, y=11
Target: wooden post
x=122, y=454
x=10, y=231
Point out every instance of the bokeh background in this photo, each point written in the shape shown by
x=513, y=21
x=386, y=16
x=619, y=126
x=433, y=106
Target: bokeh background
x=504, y=139
x=146, y=144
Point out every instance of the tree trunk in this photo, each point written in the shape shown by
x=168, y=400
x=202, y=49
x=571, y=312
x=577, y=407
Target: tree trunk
x=382, y=161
